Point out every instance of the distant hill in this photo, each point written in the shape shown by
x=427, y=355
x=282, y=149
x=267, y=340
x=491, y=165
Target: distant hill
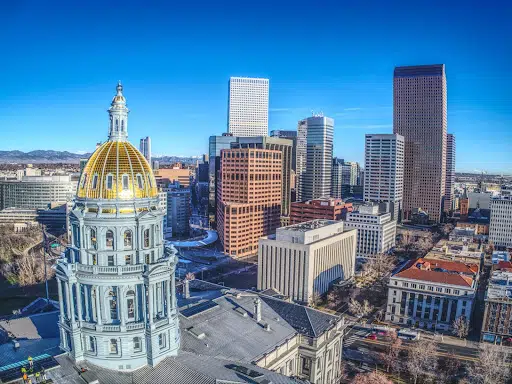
x=50, y=156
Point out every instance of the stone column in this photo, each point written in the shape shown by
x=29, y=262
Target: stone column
x=121, y=305
x=68, y=300
x=98, y=306
x=61, y=300
x=79, y=301
x=415, y=305
x=87, y=303
x=150, y=304
x=440, y=314
x=423, y=306
x=449, y=311
x=168, y=298
x=72, y=306
x=173, y=291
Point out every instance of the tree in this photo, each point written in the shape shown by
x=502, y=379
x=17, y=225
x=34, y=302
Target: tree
x=371, y=378
x=379, y=266
x=391, y=356
x=461, y=327
x=448, y=368
x=421, y=359
x=491, y=366
x=360, y=309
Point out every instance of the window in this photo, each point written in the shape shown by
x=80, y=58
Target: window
x=113, y=305
x=137, y=344
x=161, y=340
x=130, y=304
x=125, y=182
x=110, y=239
x=290, y=367
x=92, y=345
x=93, y=238
x=146, y=238
x=128, y=259
x=448, y=290
x=128, y=239
x=305, y=365
x=457, y=292
x=110, y=181
x=84, y=180
x=113, y=347
x=110, y=260
x=439, y=289
x=140, y=182
x=406, y=284
x=95, y=181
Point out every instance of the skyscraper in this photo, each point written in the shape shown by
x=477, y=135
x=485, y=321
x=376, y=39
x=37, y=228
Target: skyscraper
x=249, y=198
x=419, y=115
x=248, y=106
x=384, y=171
x=145, y=148
x=450, y=172
x=300, y=157
x=337, y=177
x=317, y=179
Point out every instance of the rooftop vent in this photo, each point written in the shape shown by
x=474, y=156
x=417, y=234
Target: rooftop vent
x=241, y=311
x=198, y=334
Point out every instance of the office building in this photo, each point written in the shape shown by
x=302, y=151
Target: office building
x=326, y=208
x=145, y=148
x=500, y=228
x=36, y=191
x=432, y=294
x=155, y=165
x=173, y=175
x=497, y=324
x=216, y=145
x=278, y=144
x=28, y=171
x=420, y=116
x=317, y=178
x=450, y=173
x=302, y=261
x=300, y=160
x=376, y=232
x=178, y=210
x=248, y=106
x=384, y=172
x=249, y=198
x=337, y=177
x=290, y=135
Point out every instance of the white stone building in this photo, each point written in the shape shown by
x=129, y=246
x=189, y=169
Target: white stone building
x=303, y=260
x=376, y=232
x=500, y=229
x=431, y=294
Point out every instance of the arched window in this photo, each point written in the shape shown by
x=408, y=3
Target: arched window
x=128, y=239
x=125, y=182
x=137, y=344
x=113, y=304
x=93, y=238
x=150, y=181
x=109, y=239
x=84, y=180
x=117, y=124
x=146, y=238
x=110, y=181
x=140, y=181
x=130, y=304
x=122, y=125
x=95, y=181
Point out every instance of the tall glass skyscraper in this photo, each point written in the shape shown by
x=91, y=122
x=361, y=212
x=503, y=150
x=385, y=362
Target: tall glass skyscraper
x=420, y=116
x=248, y=106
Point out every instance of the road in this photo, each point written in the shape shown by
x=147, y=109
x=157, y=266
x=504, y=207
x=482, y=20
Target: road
x=356, y=339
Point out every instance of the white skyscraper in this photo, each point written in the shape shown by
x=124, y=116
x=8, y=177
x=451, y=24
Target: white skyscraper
x=248, y=106
x=384, y=171
x=500, y=229
x=145, y=148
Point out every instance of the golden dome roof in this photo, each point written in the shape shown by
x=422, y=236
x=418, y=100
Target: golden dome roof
x=117, y=170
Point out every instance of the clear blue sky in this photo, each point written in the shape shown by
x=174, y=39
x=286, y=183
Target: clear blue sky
x=60, y=63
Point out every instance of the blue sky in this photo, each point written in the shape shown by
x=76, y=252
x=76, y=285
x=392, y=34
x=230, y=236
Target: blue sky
x=61, y=62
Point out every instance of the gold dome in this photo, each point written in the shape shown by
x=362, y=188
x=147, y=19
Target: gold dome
x=117, y=170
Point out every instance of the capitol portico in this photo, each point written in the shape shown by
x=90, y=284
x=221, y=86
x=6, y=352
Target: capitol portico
x=116, y=282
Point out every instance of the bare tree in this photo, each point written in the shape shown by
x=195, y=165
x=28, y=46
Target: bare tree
x=491, y=366
x=421, y=359
x=371, y=378
x=448, y=368
x=316, y=299
x=27, y=269
x=461, y=327
x=390, y=357
x=360, y=309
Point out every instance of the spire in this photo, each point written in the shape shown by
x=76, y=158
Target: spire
x=118, y=113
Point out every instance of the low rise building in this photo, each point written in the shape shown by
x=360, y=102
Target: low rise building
x=480, y=229
x=323, y=208
x=497, y=324
x=302, y=261
x=376, y=232
x=457, y=251
x=499, y=256
x=431, y=294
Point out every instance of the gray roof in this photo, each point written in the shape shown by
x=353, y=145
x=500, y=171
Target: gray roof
x=305, y=320
x=186, y=368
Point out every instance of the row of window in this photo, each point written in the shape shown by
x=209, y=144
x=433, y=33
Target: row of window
x=137, y=344
x=110, y=181
x=109, y=239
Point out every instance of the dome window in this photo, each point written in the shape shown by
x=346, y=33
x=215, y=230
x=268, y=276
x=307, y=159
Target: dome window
x=140, y=181
x=110, y=181
x=95, y=181
x=84, y=180
x=150, y=180
x=126, y=182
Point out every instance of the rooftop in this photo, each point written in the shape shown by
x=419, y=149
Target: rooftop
x=308, y=225
x=500, y=286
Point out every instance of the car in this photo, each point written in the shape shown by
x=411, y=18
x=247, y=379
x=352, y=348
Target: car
x=372, y=336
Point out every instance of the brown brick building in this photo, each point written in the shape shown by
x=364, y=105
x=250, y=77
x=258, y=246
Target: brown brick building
x=248, y=199
x=326, y=208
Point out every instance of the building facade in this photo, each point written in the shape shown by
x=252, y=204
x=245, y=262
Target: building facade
x=497, y=324
x=178, y=210
x=301, y=156
x=116, y=283
x=420, y=116
x=328, y=209
x=36, y=191
x=316, y=181
x=376, y=232
x=337, y=177
x=248, y=106
x=249, y=198
x=450, y=173
x=431, y=294
x=302, y=261
x=500, y=228
x=384, y=172
x=290, y=135
x=145, y=148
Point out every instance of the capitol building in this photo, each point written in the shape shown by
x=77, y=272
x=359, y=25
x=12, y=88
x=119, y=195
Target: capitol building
x=123, y=318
